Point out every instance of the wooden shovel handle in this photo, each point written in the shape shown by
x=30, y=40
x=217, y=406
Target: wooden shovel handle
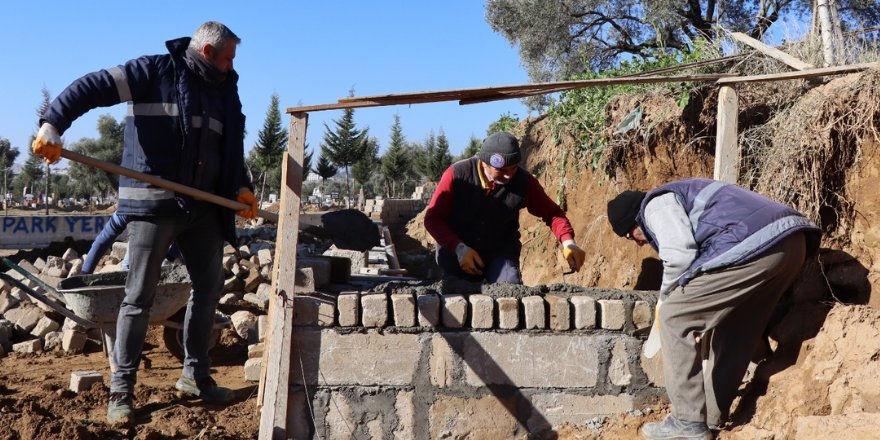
x=167, y=184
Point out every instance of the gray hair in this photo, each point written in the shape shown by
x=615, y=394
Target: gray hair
x=214, y=33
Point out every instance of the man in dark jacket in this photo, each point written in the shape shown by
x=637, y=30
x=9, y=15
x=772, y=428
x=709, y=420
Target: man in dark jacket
x=728, y=256
x=474, y=214
x=184, y=124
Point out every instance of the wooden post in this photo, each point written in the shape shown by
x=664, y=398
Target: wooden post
x=275, y=377
x=727, y=154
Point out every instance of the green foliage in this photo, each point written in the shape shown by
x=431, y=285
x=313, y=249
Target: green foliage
x=346, y=144
x=307, y=162
x=8, y=154
x=472, y=149
x=363, y=169
x=267, y=154
x=581, y=113
x=558, y=38
x=396, y=163
x=433, y=157
x=86, y=181
x=325, y=168
x=505, y=122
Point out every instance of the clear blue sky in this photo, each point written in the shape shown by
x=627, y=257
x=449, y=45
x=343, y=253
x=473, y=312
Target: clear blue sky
x=308, y=52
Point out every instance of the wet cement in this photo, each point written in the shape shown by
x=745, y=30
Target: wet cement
x=456, y=286
x=173, y=274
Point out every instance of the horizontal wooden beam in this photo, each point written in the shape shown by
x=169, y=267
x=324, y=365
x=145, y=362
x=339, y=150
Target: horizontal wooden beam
x=811, y=73
x=495, y=93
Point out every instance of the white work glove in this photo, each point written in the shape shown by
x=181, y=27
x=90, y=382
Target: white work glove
x=573, y=254
x=47, y=144
x=469, y=259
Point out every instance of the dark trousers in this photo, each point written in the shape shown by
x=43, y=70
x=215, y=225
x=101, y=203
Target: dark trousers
x=500, y=266
x=200, y=239
x=735, y=304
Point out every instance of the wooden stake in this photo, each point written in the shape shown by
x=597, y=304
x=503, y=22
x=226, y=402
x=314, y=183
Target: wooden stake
x=771, y=51
x=275, y=375
x=727, y=154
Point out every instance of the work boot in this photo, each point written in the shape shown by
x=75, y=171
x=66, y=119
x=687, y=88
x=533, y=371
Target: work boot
x=119, y=409
x=205, y=388
x=673, y=428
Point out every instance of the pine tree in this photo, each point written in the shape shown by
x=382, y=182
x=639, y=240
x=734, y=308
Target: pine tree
x=363, y=169
x=441, y=159
x=472, y=149
x=396, y=162
x=307, y=162
x=325, y=169
x=345, y=145
x=269, y=149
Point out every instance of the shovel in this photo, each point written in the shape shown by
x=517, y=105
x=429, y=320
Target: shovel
x=167, y=184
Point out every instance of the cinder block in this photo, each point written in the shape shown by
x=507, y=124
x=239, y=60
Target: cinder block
x=454, y=311
x=363, y=359
x=653, y=369
x=482, y=311
x=265, y=257
x=508, y=313
x=245, y=324
x=118, y=250
x=30, y=346
x=375, y=310
x=83, y=380
x=643, y=315
x=404, y=305
x=429, y=310
x=584, y=312
x=525, y=359
x=560, y=312
x=535, y=312
x=304, y=281
x=252, y=368
x=348, y=305
x=73, y=341
x=612, y=314
x=255, y=350
x=28, y=318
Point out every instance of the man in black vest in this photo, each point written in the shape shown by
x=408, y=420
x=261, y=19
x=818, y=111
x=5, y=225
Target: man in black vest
x=474, y=214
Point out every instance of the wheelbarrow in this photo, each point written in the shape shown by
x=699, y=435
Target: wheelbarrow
x=93, y=301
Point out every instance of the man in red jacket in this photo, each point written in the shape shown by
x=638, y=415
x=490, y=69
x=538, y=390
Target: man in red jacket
x=474, y=214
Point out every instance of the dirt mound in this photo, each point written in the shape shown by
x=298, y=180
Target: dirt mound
x=832, y=390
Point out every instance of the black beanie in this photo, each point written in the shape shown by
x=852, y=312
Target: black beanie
x=500, y=150
x=622, y=211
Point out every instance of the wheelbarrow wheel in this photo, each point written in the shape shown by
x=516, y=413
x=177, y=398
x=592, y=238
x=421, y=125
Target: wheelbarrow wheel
x=173, y=340
x=172, y=336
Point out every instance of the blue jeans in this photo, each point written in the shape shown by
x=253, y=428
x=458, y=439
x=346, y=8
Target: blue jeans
x=501, y=266
x=199, y=236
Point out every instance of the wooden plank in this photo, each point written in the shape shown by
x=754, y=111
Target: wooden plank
x=166, y=184
x=275, y=376
x=497, y=92
x=812, y=73
x=727, y=153
x=771, y=51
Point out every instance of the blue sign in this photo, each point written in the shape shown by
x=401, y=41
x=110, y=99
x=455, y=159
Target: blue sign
x=27, y=232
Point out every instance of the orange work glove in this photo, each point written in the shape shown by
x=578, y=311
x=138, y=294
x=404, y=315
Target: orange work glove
x=48, y=143
x=469, y=259
x=573, y=254
x=247, y=197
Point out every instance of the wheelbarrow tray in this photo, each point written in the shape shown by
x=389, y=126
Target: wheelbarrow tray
x=98, y=297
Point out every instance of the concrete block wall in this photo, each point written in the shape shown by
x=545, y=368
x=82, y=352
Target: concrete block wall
x=427, y=366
